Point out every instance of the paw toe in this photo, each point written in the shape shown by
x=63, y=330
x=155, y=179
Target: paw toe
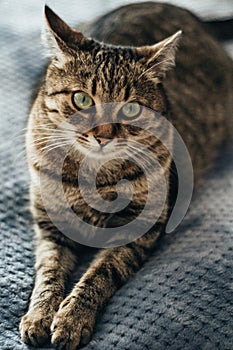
x=34, y=331
x=86, y=336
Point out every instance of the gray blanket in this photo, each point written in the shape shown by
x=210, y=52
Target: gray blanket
x=183, y=296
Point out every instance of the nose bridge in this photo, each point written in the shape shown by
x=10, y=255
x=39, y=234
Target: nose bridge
x=106, y=113
x=105, y=121
x=105, y=125
x=105, y=131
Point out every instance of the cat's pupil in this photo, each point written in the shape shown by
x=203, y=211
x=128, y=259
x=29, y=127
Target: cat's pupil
x=82, y=100
x=131, y=109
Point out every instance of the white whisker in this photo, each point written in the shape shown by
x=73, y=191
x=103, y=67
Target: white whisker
x=139, y=153
x=55, y=131
x=49, y=148
x=50, y=138
x=20, y=155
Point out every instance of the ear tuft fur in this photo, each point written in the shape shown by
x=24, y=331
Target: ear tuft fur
x=159, y=58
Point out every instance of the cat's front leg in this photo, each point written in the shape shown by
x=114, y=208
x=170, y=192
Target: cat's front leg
x=74, y=322
x=53, y=264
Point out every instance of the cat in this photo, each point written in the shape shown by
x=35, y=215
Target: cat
x=125, y=57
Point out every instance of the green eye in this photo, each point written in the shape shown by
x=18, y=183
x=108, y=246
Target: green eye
x=82, y=100
x=131, y=110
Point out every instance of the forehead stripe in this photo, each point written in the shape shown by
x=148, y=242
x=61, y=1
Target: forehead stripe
x=93, y=88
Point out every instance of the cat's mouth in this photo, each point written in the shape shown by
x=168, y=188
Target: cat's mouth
x=99, y=150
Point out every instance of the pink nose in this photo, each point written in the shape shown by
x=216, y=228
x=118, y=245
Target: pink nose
x=102, y=140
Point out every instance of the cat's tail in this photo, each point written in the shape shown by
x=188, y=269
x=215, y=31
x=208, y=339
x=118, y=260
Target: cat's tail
x=220, y=29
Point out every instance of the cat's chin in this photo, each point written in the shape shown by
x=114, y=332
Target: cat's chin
x=97, y=156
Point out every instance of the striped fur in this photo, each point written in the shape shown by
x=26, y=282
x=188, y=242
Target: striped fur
x=196, y=97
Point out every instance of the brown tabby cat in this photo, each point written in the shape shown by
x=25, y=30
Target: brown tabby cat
x=122, y=64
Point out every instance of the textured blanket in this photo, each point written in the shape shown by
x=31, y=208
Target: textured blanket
x=183, y=296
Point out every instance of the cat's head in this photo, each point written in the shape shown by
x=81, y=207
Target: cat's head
x=84, y=75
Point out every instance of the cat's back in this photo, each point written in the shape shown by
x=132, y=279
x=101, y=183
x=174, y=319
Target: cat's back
x=199, y=88
x=149, y=22
x=138, y=24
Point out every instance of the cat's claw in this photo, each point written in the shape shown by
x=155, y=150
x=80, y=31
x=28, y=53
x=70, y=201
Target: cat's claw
x=72, y=326
x=35, y=328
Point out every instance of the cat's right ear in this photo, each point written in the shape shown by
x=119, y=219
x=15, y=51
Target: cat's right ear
x=59, y=38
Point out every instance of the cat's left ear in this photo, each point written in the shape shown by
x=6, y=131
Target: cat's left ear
x=159, y=58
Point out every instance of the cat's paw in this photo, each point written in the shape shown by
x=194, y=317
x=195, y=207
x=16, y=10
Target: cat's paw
x=73, y=324
x=35, y=328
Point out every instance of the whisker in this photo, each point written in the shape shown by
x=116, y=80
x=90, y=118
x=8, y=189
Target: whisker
x=56, y=145
x=50, y=138
x=17, y=135
x=139, y=153
x=21, y=155
x=56, y=131
x=47, y=144
x=152, y=68
x=28, y=128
